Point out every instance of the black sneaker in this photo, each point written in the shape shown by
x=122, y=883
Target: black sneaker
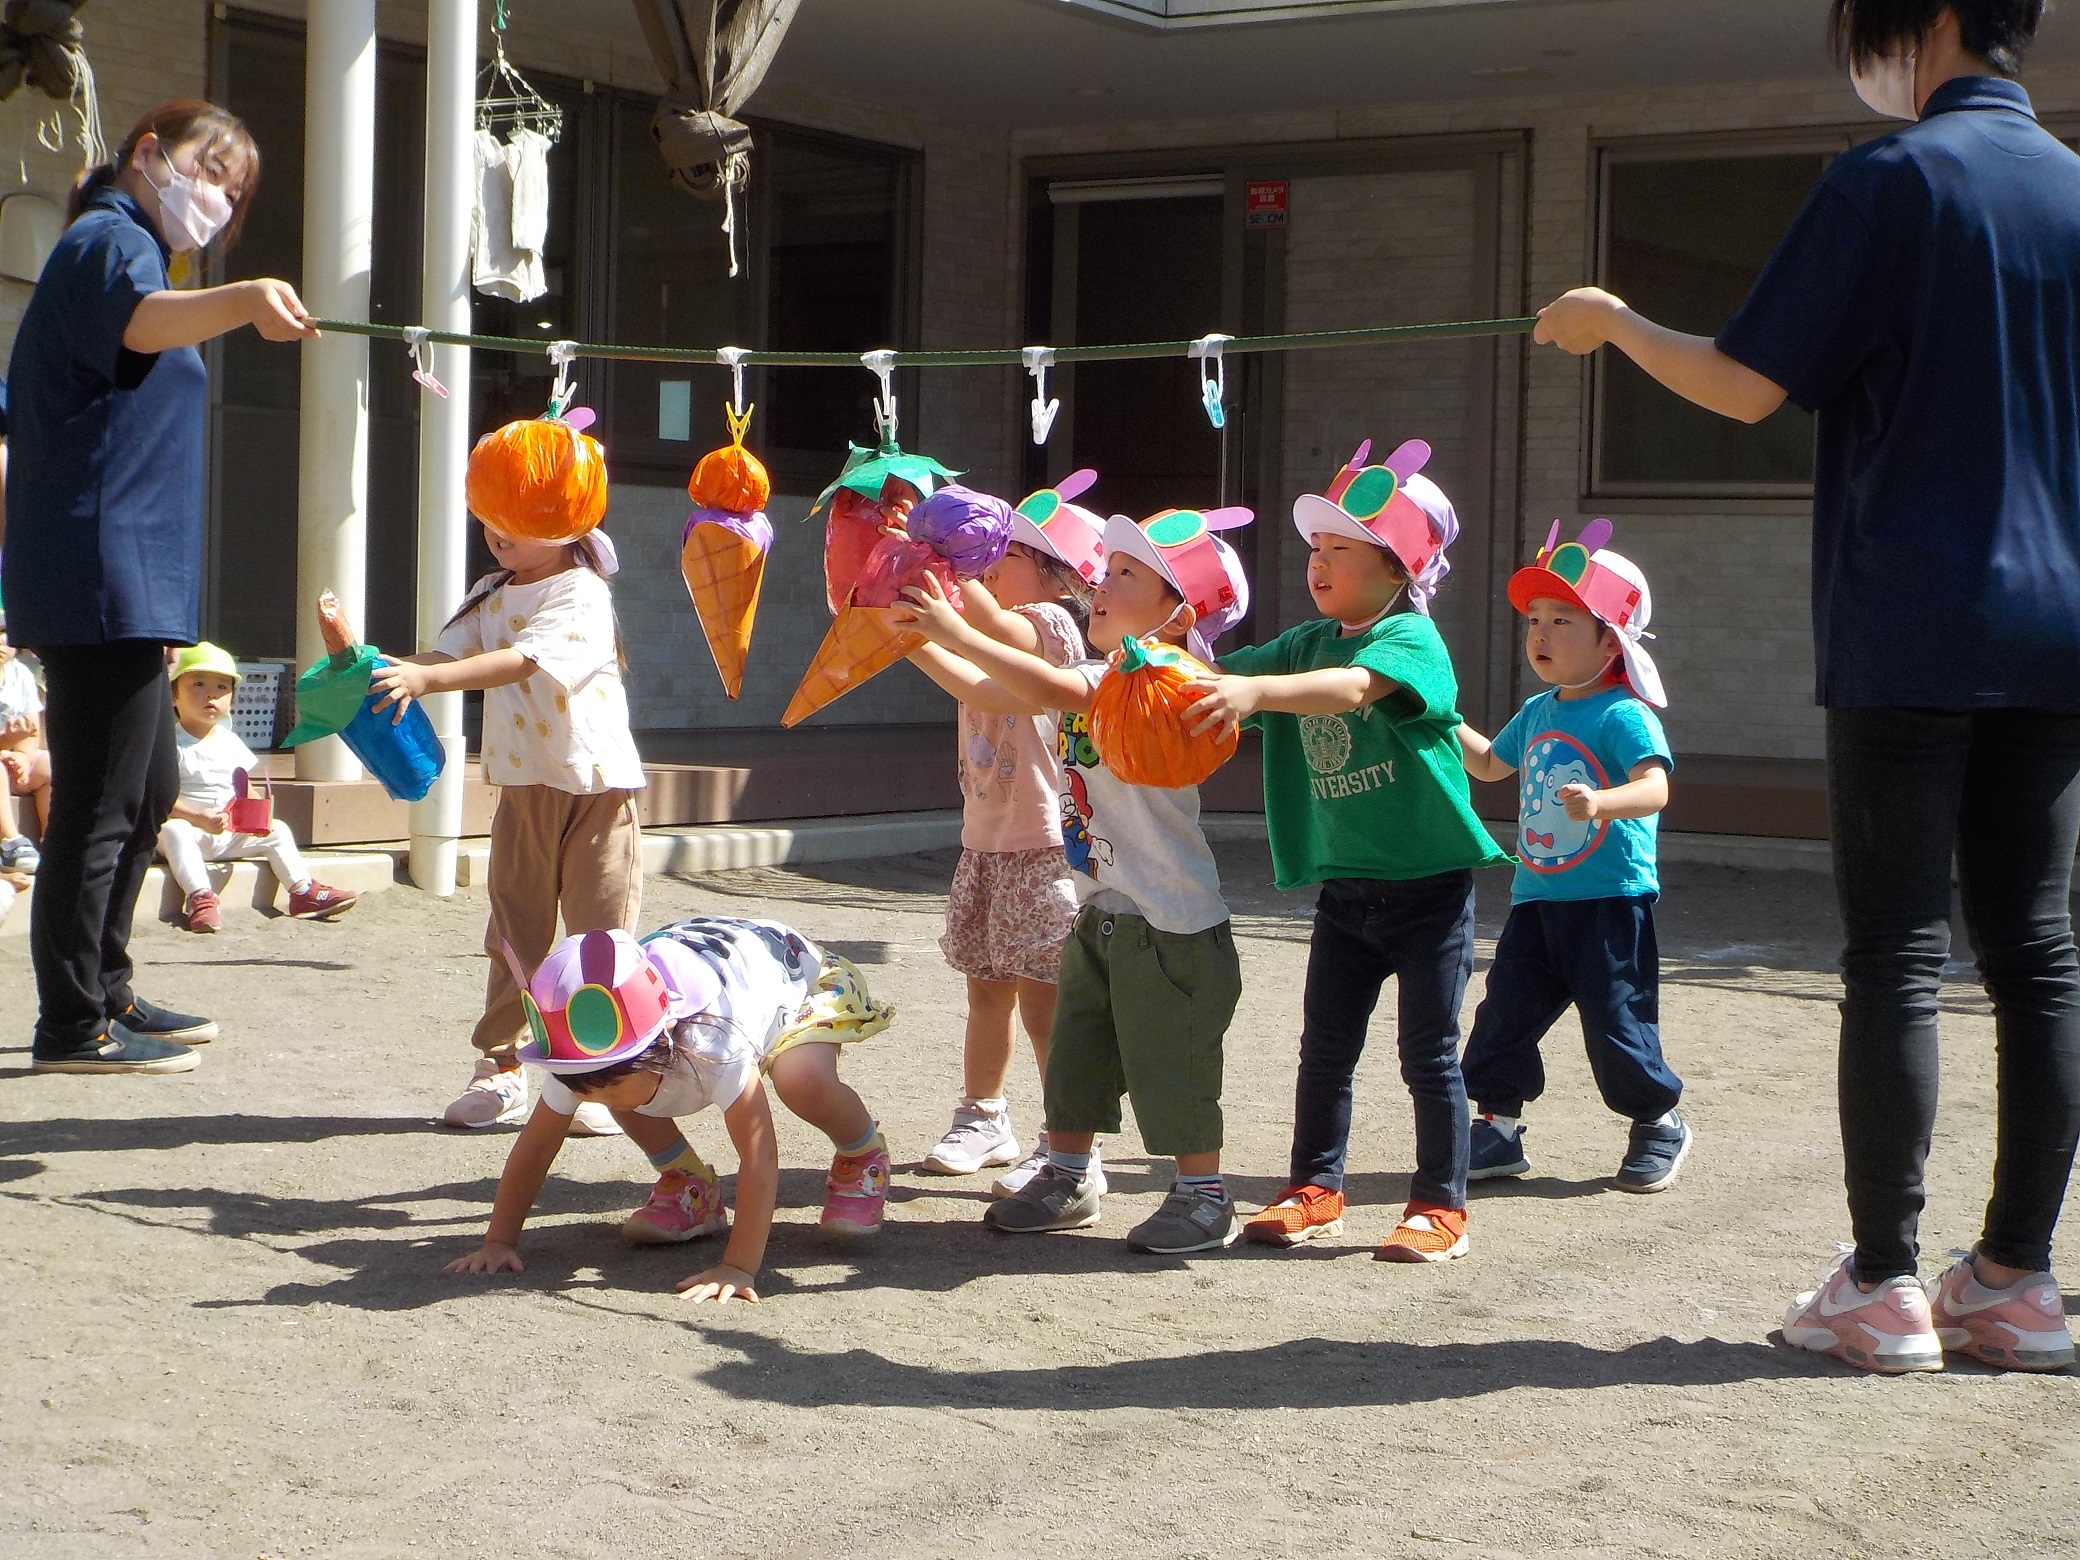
x=119, y=1051
x=1493, y=1154
x=156, y=1023
x=1654, y=1154
x=1052, y=1200
x=1187, y=1221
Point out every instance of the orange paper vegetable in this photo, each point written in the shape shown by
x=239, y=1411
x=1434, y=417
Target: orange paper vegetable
x=1137, y=718
x=732, y=477
x=860, y=643
x=539, y=480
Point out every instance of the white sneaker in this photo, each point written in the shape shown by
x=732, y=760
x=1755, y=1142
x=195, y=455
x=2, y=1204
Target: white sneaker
x=496, y=1097
x=593, y=1119
x=978, y=1139
x=1013, y=1181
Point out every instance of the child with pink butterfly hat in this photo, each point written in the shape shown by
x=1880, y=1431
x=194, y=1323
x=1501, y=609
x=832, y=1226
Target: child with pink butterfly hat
x=699, y=1013
x=1594, y=766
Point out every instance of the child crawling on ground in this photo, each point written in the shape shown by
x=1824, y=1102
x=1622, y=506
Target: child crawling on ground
x=697, y=1014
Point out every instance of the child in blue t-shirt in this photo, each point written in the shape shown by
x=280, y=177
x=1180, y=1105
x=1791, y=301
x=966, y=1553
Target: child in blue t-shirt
x=1594, y=767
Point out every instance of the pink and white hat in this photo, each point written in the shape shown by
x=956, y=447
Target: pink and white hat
x=602, y=997
x=1392, y=506
x=1049, y=522
x=1180, y=545
x=1603, y=583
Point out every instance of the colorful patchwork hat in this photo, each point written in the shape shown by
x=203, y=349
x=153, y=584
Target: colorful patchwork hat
x=1603, y=583
x=1180, y=545
x=1391, y=505
x=1049, y=522
x=600, y=998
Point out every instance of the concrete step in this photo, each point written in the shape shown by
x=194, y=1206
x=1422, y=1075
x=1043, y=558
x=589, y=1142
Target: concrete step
x=244, y=887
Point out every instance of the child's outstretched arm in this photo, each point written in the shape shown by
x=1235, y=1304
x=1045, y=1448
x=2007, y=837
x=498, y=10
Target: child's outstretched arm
x=1478, y=755
x=1644, y=793
x=1038, y=683
x=750, y=1123
x=527, y=1167
x=986, y=615
x=1228, y=699
x=400, y=682
x=967, y=684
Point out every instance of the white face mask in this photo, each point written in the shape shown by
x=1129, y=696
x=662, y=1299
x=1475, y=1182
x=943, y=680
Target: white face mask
x=191, y=211
x=1886, y=86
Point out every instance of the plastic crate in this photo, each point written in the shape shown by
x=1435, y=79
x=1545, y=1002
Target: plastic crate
x=253, y=707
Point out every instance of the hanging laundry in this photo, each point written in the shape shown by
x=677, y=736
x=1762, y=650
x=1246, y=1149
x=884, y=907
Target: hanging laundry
x=511, y=221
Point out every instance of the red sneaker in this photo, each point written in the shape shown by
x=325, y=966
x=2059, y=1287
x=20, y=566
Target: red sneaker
x=1297, y=1215
x=316, y=902
x=200, y=912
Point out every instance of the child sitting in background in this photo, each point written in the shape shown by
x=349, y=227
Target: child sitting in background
x=21, y=731
x=697, y=1014
x=1595, y=768
x=199, y=830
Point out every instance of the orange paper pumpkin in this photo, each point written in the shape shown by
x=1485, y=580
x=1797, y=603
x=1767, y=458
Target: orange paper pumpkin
x=538, y=480
x=1137, y=719
x=732, y=477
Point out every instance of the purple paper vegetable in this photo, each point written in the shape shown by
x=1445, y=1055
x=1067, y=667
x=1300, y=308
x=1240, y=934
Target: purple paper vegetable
x=970, y=530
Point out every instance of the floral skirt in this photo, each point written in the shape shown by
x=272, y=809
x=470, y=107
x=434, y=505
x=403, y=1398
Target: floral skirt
x=1008, y=914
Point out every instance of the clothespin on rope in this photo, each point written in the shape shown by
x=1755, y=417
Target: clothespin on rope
x=1038, y=361
x=560, y=393
x=418, y=341
x=1213, y=388
x=882, y=365
x=732, y=358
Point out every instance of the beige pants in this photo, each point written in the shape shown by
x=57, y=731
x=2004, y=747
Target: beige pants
x=551, y=851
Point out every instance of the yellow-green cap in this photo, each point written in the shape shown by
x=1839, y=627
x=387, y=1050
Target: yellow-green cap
x=204, y=657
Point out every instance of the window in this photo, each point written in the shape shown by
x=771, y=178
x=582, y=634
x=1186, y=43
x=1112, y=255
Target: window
x=1683, y=241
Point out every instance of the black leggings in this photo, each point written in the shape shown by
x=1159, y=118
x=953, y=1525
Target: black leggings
x=2000, y=788
x=114, y=779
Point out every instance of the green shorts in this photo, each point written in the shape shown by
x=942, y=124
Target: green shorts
x=1142, y=1012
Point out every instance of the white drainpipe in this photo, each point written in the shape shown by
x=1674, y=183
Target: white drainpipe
x=451, y=85
x=332, y=430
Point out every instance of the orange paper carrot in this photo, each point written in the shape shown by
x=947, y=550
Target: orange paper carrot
x=860, y=643
x=724, y=569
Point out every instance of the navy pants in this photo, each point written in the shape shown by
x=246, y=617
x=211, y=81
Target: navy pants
x=1598, y=956
x=1421, y=933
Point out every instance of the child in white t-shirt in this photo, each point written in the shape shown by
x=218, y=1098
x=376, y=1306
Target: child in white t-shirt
x=700, y=1013
x=199, y=830
x=21, y=731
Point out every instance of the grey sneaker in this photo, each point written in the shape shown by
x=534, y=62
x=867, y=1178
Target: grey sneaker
x=1186, y=1222
x=1654, y=1154
x=17, y=854
x=1013, y=1181
x=1052, y=1200
x=978, y=1140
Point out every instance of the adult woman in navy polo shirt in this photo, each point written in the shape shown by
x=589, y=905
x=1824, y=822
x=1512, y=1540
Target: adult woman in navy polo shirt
x=103, y=550
x=1926, y=304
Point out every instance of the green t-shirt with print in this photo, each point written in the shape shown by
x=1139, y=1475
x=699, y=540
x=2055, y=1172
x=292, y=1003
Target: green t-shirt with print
x=1379, y=792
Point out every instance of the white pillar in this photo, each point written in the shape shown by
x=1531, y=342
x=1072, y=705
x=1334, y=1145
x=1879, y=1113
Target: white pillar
x=451, y=84
x=339, y=139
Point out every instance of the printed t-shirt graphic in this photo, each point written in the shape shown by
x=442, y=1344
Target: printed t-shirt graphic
x=1554, y=743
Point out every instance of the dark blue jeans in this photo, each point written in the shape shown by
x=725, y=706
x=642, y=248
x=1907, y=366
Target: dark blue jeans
x=1598, y=956
x=2001, y=790
x=1421, y=933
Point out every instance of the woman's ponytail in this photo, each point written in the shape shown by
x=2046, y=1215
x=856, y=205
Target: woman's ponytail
x=88, y=185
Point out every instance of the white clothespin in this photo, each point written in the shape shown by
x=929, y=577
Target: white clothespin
x=560, y=393
x=882, y=365
x=1038, y=361
x=1213, y=389
x=418, y=340
x=732, y=358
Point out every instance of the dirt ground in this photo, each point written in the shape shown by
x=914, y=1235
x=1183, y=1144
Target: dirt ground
x=228, y=1332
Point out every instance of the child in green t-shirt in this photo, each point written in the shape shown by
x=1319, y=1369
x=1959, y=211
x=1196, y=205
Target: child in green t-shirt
x=1365, y=794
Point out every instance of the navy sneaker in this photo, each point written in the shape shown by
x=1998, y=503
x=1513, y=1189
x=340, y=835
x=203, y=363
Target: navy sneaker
x=1654, y=1154
x=1496, y=1153
x=119, y=1050
x=153, y=1022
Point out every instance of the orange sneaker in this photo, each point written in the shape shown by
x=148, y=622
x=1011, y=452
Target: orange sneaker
x=1426, y=1233
x=1296, y=1216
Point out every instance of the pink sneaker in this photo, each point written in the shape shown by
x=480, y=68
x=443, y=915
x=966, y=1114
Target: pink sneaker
x=1887, y=1330
x=857, y=1190
x=2022, y=1327
x=681, y=1207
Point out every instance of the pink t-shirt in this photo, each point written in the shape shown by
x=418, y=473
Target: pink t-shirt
x=1011, y=780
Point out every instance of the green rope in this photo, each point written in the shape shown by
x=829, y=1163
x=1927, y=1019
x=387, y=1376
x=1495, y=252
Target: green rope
x=994, y=357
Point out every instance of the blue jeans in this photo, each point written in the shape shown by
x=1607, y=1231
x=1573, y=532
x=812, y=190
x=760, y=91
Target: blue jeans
x=1598, y=956
x=1420, y=932
x=1999, y=789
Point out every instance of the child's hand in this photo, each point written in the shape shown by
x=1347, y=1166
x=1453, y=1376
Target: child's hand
x=17, y=767
x=1584, y=803
x=721, y=1283
x=214, y=822
x=398, y=683
x=491, y=1257
x=1226, y=702
x=926, y=608
x=21, y=726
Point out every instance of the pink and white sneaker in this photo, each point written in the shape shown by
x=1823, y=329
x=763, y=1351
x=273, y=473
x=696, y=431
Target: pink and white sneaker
x=857, y=1190
x=681, y=1207
x=1888, y=1330
x=2021, y=1327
